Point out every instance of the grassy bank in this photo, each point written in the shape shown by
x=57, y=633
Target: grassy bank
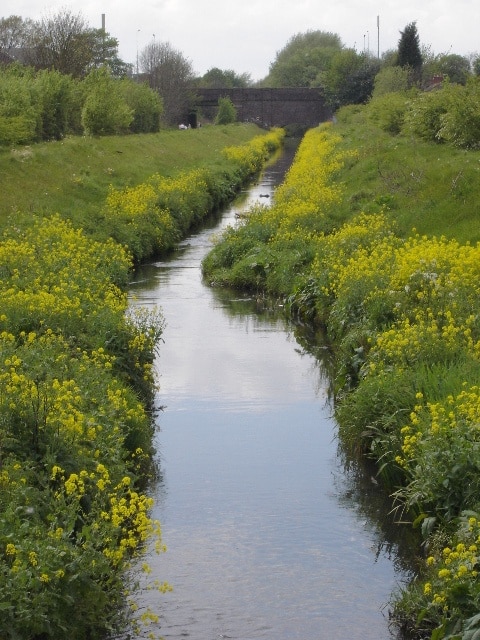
x=76, y=374
x=72, y=177
x=373, y=237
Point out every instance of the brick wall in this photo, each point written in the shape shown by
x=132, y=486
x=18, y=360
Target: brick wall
x=268, y=107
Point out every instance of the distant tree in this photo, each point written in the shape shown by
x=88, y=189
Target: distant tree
x=349, y=79
x=66, y=43
x=389, y=58
x=226, y=111
x=216, y=78
x=105, y=52
x=455, y=67
x=171, y=74
x=476, y=65
x=14, y=32
x=62, y=42
x=409, y=52
x=304, y=56
x=390, y=80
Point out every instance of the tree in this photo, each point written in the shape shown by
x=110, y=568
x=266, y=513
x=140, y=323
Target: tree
x=226, y=111
x=171, y=74
x=105, y=111
x=349, y=79
x=476, y=64
x=391, y=80
x=61, y=42
x=14, y=32
x=105, y=52
x=53, y=92
x=303, y=58
x=146, y=105
x=216, y=78
x=455, y=67
x=409, y=52
x=66, y=43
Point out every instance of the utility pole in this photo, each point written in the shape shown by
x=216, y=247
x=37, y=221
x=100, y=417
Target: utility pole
x=138, y=31
x=378, y=37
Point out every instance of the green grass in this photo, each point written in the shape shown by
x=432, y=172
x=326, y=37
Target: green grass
x=72, y=177
x=433, y=188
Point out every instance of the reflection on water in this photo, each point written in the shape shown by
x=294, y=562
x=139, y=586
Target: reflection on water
x=266, y=536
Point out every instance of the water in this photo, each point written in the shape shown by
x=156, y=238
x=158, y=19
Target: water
x=268, y=534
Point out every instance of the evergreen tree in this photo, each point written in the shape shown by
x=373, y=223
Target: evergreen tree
x=409, y=52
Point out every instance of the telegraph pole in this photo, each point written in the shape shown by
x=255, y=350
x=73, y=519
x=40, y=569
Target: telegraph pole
x=378, y=37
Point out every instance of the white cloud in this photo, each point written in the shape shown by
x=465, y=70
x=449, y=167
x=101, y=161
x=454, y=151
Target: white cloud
x=245, y=36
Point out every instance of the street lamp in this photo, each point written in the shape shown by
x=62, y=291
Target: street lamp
x=138, y=31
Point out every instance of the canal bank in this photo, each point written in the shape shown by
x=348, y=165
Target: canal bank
x=270, y=533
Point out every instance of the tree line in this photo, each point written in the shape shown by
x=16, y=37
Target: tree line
x=69, y=77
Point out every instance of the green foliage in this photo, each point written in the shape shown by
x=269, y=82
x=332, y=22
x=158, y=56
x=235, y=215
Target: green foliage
x=391, y=80
x=302, y=59
x=349, y=78
x=18, y=114
x=227, y=113
x=409, y=52
x=388, y=111
x=216, y=78
x=151, y=217
x=54, y=93
x=454, y=68
x=146, y=105
x=424, y=115
x=49, y=105
x=71, y=428
x=105, y=111
x=460, y=125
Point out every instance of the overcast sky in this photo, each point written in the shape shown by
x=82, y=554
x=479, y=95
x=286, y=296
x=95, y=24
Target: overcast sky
x=245, y=35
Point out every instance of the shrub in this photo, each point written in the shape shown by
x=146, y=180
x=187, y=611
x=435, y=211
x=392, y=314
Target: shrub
x=54, y=93
x=387, y=111
x=18, y=115
x=105, y=111
x=227, y=112
x=425, y=113
x=461, y=124
x=146, y=104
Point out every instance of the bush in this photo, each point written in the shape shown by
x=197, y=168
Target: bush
x=227, y=112
x=73, y=432
x=105, y=111
x=19, y=117
x=54, y=92
x=425, y=113
x=146, y=104
x=387, y=111
x=461, y=124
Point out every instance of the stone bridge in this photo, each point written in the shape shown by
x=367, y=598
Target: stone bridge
x=267, y=107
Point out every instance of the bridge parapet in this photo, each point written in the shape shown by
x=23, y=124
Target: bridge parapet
x=269, y=107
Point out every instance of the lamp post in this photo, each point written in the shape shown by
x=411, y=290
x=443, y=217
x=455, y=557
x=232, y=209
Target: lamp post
x=138, y=31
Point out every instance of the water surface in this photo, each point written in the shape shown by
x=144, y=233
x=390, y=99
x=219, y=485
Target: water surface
x=268, y=535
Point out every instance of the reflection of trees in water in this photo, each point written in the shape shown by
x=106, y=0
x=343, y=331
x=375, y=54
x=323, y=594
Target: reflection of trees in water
x=358, y=490
x=355, y=483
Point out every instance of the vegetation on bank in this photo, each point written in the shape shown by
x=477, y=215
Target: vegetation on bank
x=374, y=237
x=76, y=392
x=72, y=177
